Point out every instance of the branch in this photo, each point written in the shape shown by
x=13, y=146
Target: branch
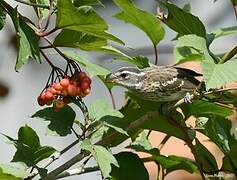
x=77, y=171
x=156, y=55
x=44, y=6
x=105, y=141
x=67, y=165
x=229, y=55
x=181, y=101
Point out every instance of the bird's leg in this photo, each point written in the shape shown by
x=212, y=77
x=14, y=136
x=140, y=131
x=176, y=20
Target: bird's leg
x=187, y=98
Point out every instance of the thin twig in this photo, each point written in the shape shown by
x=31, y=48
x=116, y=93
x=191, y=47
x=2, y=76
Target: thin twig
x=229, y=55
x=105, y=141
x=44, y=6
x=162, y=144
x=77, y=171
x=181, y=101
x=47, y=59
x=112, y=98
x=156, y=55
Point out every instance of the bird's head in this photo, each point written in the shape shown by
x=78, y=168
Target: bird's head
x=128, y=77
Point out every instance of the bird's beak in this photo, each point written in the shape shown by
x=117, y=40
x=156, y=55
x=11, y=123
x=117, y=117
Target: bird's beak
x=111, y=78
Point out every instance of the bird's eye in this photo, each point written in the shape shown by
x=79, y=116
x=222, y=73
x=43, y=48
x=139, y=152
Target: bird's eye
x=124, y=75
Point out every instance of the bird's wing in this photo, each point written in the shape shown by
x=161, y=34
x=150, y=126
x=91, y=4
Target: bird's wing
x=172, y=79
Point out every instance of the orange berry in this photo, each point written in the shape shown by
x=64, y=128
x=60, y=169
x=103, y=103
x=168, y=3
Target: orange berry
x=48, y=96
x=85, y=85
x=64, y=92
x=41, y=102
x=78, y=91
x=72, y=90
x=58, y=87
x=81, y=75
x=86, y=79
x=64, y=82
x=87, y=91
x=52, y=90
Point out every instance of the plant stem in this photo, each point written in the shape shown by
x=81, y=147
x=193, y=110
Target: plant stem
x=112, y=98
x=229, y=55
x=42, y=34
x=105, y=141
x=47, y=59
x=44, y=6
x=77, y=171
x=67, y=165
x=162, y=144
x=156, y=55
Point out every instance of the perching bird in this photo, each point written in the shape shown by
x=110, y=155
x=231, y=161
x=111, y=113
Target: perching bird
x=157, y=83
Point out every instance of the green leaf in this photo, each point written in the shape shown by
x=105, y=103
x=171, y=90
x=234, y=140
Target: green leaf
x=27, y=136
x=27, y=41
x=82, y=19
x=102, y=156
x=2, y=17
x=215, y=75
x=140, y=61
x=207, y=160
x=224, y=31
x=183, y=22
x=75, y=39
x=100, y=108
x=28, y=147
x=141, y=143
x=205, y=109
x=230, y=160
x=91, y=68
x=13, y=171
x=172, y=163
x=60, y=122
x=78, y=3
x=130, y=167
x=143, y=20
x=101, y=111
x=185, y=54
x=218, y=129
x=43, y=153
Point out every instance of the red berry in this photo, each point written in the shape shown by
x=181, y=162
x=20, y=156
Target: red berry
x=41, y=102
x=64, y=82
x=64, y=92
x=87, y=91
x=81, y=75
x=48, y=96
x=86, y=79
x=53, y=91
x=78, y=91
x=85, y=85
x=58, y=87
x=49, y=103
x=72, y=90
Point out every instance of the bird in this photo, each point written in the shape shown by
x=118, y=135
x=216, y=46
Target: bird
x=157, y=83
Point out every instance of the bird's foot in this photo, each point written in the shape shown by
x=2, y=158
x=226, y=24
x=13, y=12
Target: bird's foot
x=187, y=98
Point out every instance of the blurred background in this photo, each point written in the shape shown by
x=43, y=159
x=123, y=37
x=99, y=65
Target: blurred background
x=19, y=90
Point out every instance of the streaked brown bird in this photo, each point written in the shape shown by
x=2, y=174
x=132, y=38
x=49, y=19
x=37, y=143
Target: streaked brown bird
x=157, y=83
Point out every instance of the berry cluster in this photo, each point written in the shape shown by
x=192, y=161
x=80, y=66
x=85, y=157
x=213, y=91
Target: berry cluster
x=59, y=93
